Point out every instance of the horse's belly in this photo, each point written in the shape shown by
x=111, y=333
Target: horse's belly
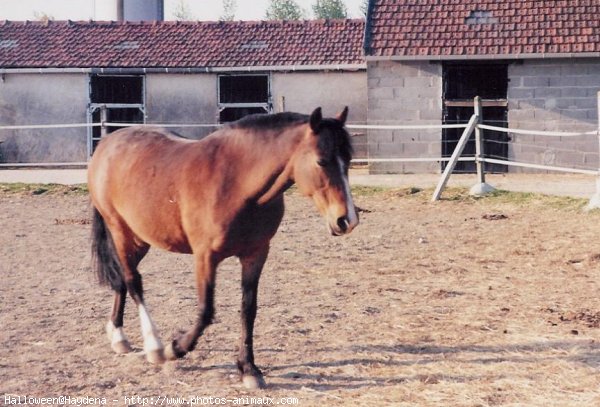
x=160, y=229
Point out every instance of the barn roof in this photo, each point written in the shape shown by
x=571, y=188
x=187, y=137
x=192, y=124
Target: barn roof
x=457, y=29
x=167, y=44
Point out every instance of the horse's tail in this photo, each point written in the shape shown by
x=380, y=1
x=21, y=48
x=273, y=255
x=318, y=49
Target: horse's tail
x=105, y=261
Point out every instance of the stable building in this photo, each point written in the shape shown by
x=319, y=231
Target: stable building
x=536, y=64
x=167, y=72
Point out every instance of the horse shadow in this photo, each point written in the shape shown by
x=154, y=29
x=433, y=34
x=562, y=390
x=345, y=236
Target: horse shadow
x=297, y=376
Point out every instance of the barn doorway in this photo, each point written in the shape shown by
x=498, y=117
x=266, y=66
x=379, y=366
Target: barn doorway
x=241, y=95
x=461, y=83
x=120, y=98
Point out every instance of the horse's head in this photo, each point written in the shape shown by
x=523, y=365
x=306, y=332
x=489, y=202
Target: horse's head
x=321, y=170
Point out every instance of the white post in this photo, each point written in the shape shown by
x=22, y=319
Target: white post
x=595, y=200
x=281, y=107
x=103, y=120
x=460, y=146
x=481, y=187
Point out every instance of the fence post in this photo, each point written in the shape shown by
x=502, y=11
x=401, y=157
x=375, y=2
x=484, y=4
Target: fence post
x=481, y=187
x=281, y=107
x=595, y=200
x=103, y=120
x=460, y=146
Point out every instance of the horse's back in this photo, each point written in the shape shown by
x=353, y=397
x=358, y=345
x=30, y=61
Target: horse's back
x=132, y=181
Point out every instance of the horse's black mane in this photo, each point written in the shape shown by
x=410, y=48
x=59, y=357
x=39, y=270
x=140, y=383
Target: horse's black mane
x=337, y=142
x=269, y=121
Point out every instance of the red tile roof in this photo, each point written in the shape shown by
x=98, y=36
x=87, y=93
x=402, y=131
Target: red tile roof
x=164, y=44
x=438, y=29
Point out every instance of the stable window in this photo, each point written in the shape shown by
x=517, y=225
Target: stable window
x=462, y=82
x=241, y=95
x=117, y=99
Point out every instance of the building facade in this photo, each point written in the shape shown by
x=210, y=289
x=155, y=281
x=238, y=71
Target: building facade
x=167, y=73
x=536, y=64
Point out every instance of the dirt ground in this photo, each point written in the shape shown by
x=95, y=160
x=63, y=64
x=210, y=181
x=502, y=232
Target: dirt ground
x=489, y=302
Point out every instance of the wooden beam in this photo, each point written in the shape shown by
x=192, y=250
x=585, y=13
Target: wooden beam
x=460, y=146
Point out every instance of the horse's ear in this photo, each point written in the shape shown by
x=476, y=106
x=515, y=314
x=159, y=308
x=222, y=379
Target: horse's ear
x=341, y=117
x=315, y=119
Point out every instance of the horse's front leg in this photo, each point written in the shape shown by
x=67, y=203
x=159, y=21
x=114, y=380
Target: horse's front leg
x=252, y=265
x=205, y=284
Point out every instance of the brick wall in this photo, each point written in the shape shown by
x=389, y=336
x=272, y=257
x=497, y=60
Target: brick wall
x=404, y=93
x=554, y=95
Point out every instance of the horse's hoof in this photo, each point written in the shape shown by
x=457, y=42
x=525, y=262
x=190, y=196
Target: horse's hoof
x=121, y=347
x=156, y=357
x=171, y=353
x=253, y=382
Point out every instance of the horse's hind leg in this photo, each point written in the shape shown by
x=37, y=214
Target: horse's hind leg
x=114, y=327
x=131, y=251
x=252, y=265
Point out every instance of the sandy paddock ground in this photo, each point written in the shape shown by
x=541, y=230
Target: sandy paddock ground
x=489, y=302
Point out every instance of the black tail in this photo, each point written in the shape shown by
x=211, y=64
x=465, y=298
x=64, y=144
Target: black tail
x=105, y=261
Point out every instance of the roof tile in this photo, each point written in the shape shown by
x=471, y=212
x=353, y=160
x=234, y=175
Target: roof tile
x=181, y=44
x=531, y=27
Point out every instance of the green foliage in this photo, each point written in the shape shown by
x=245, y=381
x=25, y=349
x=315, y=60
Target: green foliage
x=364, y=7
x=42, y=16
x=19, y=188
x=330, y=9
x=229, y=7
x=182, y=12
x=284, y=10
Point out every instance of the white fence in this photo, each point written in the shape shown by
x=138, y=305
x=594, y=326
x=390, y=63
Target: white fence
x=474, y=126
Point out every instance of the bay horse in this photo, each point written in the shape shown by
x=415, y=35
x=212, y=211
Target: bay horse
x=214, y=198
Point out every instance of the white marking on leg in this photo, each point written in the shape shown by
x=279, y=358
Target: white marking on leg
x=151, y=340
x=350, y=209
x=118, y=336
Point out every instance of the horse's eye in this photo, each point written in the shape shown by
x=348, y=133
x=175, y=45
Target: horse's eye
x=323, y=162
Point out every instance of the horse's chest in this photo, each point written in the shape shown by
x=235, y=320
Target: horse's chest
x=253, y=226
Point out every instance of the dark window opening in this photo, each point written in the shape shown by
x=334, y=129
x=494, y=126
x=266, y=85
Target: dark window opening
x=462, y=82
x=244, y=89
x=231, y=114
x=114, y=115
x=122, y=97
x=116, y=89
x=241, y=95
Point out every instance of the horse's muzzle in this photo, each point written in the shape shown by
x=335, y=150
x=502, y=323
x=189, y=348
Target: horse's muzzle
x=342, y=226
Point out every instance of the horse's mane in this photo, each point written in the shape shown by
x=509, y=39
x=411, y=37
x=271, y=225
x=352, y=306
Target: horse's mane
x=269, y=121
x=340, y=141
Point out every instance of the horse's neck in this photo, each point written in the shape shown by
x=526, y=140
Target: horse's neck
x=269, y=163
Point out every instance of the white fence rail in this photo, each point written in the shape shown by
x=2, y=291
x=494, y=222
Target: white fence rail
x=473, y=126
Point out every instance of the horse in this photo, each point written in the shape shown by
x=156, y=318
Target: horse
x=213, y=198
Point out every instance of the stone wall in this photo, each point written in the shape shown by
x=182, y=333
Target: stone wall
x=304, y=91
x=35, y=98
x=29, y=99
x=554, y=95
x=404, y=93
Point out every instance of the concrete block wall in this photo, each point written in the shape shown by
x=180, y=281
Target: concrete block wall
x=305, y=91
x=30, y=99
x=404, y=93
x=554, y=95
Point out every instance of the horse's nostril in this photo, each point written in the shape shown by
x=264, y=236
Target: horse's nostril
x=343, y=223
